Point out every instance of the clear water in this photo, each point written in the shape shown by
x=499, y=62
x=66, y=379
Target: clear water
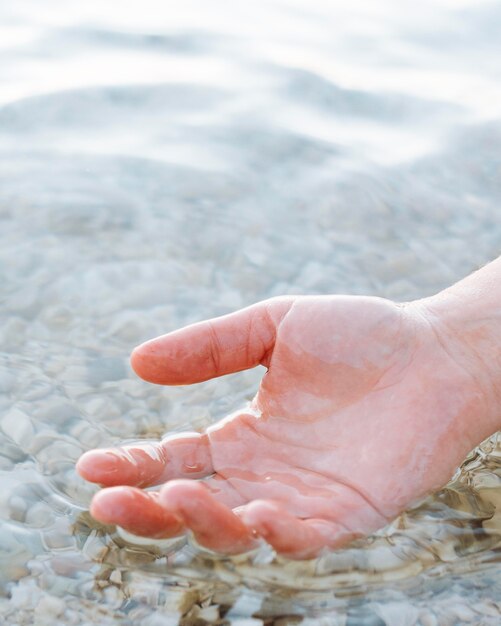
x=165, y=162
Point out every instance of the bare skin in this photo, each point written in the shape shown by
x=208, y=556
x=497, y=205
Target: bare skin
x=366, y=407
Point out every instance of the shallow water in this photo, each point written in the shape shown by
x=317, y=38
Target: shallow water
x=161, y=166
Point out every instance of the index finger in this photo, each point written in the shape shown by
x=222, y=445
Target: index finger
x=215, y=347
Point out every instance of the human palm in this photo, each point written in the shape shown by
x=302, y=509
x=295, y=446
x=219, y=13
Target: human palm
x=360, y=413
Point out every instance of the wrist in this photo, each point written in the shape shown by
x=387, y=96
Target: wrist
x=466, y=319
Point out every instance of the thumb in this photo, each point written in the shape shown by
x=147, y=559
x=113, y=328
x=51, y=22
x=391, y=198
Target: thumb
x=215, y=347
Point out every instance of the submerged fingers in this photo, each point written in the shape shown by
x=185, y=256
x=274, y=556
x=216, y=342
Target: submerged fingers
x=290, y=536
x=142, y=465
x=137, y=511
x=189, y=505
x=213, y=524
x=181, y=505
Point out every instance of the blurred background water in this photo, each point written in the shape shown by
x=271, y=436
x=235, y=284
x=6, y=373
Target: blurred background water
x=165, y=162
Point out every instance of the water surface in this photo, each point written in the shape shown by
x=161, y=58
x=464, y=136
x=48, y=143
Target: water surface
x=160, y=164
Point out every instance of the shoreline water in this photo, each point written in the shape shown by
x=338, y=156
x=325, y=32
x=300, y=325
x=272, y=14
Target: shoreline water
x=160, y=169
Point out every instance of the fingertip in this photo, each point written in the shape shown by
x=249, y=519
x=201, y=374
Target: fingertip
x=257, y=514
x=82, y=466
x=136, y=511
x=273, y=524
x=139, y=360
x=176, y=494
x=94, y=465
x=115, y=466
x=270, y=522
x=290, y=536
x=214, y=525
x=102, y=507
x=163, y=360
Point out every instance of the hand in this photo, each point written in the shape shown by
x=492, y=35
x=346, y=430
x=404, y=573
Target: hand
x=362, y=411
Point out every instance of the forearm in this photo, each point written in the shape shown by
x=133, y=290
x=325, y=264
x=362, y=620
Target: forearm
x=467, y=318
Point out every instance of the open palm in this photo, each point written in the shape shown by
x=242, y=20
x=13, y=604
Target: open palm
x=361, y=412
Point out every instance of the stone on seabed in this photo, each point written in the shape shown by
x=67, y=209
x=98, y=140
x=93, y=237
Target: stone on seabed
x=160, y=620
x=50, y=606
x=428, y=619
x=398, y=614
x=18, y=426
